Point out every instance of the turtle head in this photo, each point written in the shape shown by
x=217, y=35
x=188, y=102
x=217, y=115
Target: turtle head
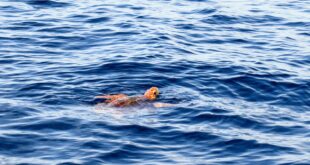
x=152, y=93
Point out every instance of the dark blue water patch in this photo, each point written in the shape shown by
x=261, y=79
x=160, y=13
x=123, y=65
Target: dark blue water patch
x=305, y=34
x=135, y=130
x=137, y=8
x=224, y=19
x=8, y=61
x=79, y=16
x=196, y=35
x=9, y=9
x=255, y=47
x=240, y=86
x=181, y=50
x=104, y=30
x=58, y=29
x=218, y=111
x=211, y=41
x=51, y=21
x=197, y=137
x=18, y=28
x=10, y=112
x=48, y=125
x=266, y=18
x=220, y=19
x=17, y=39
x=225, y=120
x=256, y=10
x=290, y=99
x=174, y=137
x=38, y=52
x=207, y=11
x=117, y=67
x=31, y=24
x=123, y=155
x=145, y=17
x=38, y=86
x=68, y=163
x=259, y=88
x=46, y=3
x=131, y=7
x=243, y=30
x=126, y=33
x=162, y=37
x=227, y=41
x=182, y=40
x=125, y=25
x=305, y=162
x=239, y=41
x=9, y=144
x=122, y=35
x=228, y=69
x=80, y=47
x=286, y=130
x=52, y=44
x=24, y=148
x=297, y=24
x=95, y=145
x=71, y=38
x=185, y=26
x=123, y=6
x=98, y=20
x=270, y=76
x=86, y=133
x=240, y=146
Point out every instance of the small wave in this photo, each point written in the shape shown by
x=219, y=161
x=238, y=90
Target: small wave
x=47, y=3
x=237, y=72
x=98, y=20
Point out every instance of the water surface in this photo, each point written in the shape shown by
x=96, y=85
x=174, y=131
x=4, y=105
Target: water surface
x=238, y=70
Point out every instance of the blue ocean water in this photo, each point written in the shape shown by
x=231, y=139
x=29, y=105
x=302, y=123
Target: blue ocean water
x=239, y=72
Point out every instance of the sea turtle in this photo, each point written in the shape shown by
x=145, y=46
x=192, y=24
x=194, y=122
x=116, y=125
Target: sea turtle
x=122, y=100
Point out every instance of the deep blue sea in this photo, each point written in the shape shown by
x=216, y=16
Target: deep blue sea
x=238, y=72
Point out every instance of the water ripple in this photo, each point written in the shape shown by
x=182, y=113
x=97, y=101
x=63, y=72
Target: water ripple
x=238, y=73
